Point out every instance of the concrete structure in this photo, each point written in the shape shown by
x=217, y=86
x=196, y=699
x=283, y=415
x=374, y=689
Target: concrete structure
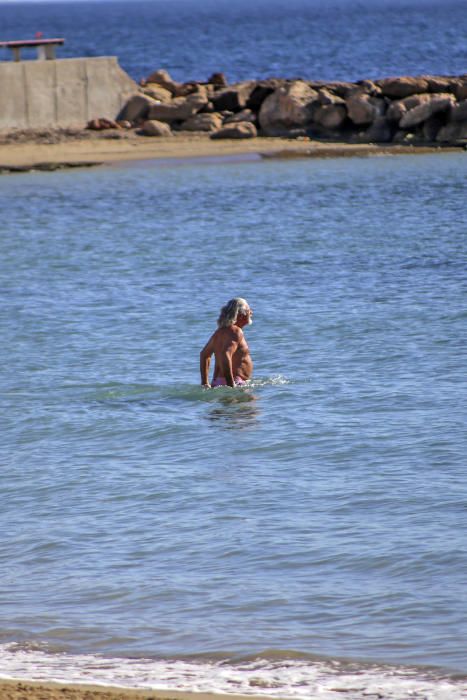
x=62, y=93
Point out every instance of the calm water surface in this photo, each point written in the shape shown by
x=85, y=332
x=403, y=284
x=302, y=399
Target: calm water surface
x=321, y=509
x=332, y=40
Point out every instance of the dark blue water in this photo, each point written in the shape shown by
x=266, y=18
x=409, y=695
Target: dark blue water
x=316, y=40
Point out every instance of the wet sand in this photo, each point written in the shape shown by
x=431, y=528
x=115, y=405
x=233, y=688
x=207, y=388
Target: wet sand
x=91, y=148
x=28, y=690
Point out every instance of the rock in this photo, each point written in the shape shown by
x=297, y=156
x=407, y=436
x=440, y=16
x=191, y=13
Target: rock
x=437, y=103
x=460, y=88
x=380, y=131
x=184, y=89
x=234, y=98
x=402, y=87
x=102, y=123
x=369, y=87
x=246, y=115
x=208, y=107
x=340, y=88
x=459, y=112
x=431, y=127
x=180, y=109
x=203, y=122
x=452, y=133
x=330, y=116
x=240, y=130
x=162, y=78
x=152, y=127
x=363, y=109
x=262, y=90
x=326, y=97
x=286, y=108
x=157, y=92
x=136, y=108
x=398, y=108
x=218, y=79
x=437, y=83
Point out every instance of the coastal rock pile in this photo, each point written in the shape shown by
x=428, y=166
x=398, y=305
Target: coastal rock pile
x=419, y=110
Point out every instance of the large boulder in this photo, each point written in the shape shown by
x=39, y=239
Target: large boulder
x=338, y=87
x=184, y=89
x=287, y=108
x=402, y=87
x=136, y=108
x=180, y=109
x=460, y=89
x=162, y=78
x=239, y=130
x=233, y=98
x=364, y=109
x=437, y=103
x=380, y=131
x=152, y=127
x=326, y=97
x=369, y=87
x=218, y=79
x=439, y=83
x=246, y=115
x=157, y=92
x=331, y=116
x=459, y=112
x=398, y=108
x=261, y=90
x=203, y=122
x=453, y=133
x=432, y=126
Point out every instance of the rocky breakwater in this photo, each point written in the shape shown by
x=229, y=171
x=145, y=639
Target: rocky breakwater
x=403, y=110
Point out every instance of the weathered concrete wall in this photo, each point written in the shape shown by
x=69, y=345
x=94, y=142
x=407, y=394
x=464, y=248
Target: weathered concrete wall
x=62, y=93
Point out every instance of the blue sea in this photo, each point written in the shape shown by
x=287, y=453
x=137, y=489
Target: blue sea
x=313, y=39
x=303, y=536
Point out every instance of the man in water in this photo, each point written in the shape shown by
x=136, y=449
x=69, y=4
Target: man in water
x=233, y=365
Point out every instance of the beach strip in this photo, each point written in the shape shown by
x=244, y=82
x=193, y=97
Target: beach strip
x=94, y=149
x=33, y=690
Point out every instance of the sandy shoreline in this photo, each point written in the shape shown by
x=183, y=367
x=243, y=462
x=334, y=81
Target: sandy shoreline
x=32, y=690
x=111, y=147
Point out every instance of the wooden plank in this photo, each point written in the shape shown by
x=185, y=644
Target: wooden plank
x=31, y=42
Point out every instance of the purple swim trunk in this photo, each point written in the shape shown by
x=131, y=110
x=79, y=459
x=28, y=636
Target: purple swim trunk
x=220, y=381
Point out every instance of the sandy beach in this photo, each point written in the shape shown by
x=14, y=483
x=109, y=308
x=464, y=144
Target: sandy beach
x=27, y=690
x=55, y=149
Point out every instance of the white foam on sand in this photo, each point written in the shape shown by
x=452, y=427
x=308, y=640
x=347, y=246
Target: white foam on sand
x=285, y=678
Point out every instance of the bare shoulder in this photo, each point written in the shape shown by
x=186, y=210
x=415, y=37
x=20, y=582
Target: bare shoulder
x=225, y=337
x=237, y=332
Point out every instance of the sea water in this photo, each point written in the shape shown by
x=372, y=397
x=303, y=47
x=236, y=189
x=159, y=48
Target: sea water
x=305, y=535
x=302, y=534
x=313, y=39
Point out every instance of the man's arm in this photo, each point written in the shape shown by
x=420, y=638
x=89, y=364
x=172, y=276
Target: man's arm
x=205, y=362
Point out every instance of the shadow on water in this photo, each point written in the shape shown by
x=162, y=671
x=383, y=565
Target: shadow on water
x=239, y=408
x=234, y=409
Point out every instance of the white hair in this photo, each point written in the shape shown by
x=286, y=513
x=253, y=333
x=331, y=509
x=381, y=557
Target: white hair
x=229, y=313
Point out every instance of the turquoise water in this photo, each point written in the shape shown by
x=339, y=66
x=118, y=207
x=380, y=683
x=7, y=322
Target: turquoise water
x=321, y=509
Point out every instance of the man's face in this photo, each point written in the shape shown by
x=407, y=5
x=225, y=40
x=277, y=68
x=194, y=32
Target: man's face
x=245, y=318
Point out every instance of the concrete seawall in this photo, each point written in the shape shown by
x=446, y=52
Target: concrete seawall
x=62, y=93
